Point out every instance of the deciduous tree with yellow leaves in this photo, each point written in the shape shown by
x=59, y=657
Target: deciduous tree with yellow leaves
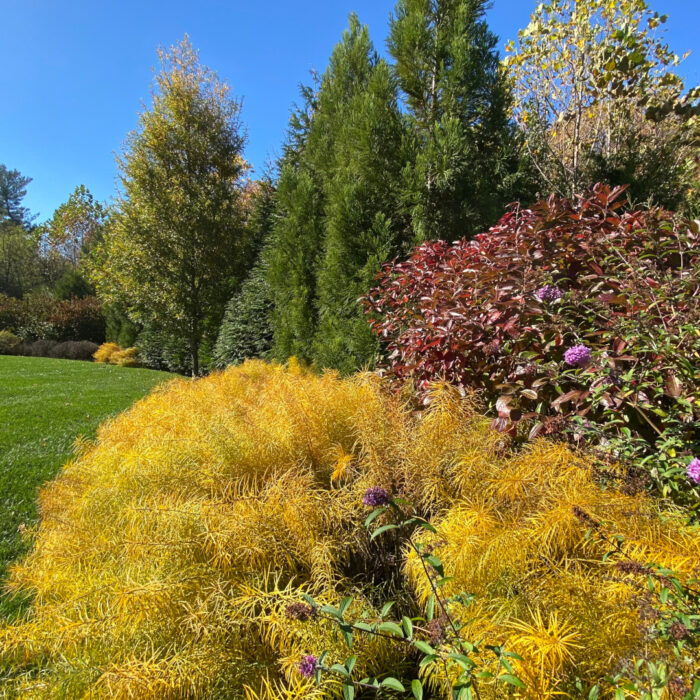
x=597, y=97
x=172, y=256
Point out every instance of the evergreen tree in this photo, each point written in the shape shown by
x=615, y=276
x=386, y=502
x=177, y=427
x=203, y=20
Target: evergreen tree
x=246, y=330
x=464, y=148
x=364, y=225
x=336, y=207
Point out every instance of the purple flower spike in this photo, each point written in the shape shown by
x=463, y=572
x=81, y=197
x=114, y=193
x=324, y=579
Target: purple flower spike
x=376, y=496
x=549, y=293
x=693, y=470
x=307, y=665
x=578, y=356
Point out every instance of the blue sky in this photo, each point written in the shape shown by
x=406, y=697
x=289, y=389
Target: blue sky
x=75, y=72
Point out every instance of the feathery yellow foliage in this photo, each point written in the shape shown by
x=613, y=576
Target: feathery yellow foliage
x=169, y=550
x=104, y=353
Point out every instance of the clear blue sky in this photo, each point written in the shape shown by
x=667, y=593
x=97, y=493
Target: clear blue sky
x=75, y=72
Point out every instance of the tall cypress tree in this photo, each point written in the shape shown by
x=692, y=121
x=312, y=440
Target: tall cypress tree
x=458, y=104
x=334, y=207
x=364, y=225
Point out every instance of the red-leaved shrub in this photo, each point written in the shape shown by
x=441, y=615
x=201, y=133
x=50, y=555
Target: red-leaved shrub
x=572, y=318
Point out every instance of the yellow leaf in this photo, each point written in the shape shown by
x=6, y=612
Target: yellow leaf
x=341, y=466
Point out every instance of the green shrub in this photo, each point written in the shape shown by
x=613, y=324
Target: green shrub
x=9, y=343
x=246, y=332
x=12, y=313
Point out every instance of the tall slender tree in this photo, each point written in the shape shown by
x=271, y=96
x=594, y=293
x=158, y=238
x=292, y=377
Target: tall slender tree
x=364, y=223
x=465, y=153
x=174, y=252
x=337, y=217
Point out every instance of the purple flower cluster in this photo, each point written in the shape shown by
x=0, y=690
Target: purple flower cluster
x=693, y=470
x=307, y=665
x=376, y=496
x=578, y=356
x=549, y=293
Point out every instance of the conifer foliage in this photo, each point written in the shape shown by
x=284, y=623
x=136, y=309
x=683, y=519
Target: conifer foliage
x=337, y=210
x=463, y=146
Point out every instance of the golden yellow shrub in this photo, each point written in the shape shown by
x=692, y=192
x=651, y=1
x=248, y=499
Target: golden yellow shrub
x=125, y=358
x=104, y=353
x=169, y=550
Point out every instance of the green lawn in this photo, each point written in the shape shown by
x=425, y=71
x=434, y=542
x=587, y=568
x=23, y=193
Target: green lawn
x=44, y=405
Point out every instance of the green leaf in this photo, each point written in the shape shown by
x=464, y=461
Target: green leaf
x=385, y=608
x=423, y=646
x=419, y=522
x=363, y=626
x=392, y=628
x=348, y=691
x=408, y=626
x=430, y=607
x=393, y=684
x=595, y=691
x=464, y=661
x=337, y=668
x=346, y=631
x=417, y=689
x=344, y=605
x=376, y=512
x=512, y=680
x=435, y=563
x=381, y=529
x=350, y=663
x=330, y=610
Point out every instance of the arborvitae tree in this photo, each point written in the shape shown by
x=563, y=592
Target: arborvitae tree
x=337, y=217
x=364, y=225
x=178, y=240
x=292, y=252
x=458, y=105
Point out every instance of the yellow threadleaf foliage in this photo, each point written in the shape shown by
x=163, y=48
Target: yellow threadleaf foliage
x=169, y=550
x=104, y=353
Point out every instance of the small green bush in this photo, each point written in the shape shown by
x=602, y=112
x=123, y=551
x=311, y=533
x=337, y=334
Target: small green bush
x=9, y=343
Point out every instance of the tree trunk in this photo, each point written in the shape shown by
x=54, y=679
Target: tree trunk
x=194, y=353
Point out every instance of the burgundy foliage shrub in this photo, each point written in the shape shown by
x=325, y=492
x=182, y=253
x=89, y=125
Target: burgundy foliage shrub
x=570, y=317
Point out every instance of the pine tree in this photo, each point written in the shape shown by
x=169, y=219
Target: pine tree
x=464, y=147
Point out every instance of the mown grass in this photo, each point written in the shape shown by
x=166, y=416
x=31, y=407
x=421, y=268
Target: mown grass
x=45, y=404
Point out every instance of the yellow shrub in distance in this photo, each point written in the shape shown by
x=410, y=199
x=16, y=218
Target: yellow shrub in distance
x=104, y=353
x=169, y=550
x=126, y=358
